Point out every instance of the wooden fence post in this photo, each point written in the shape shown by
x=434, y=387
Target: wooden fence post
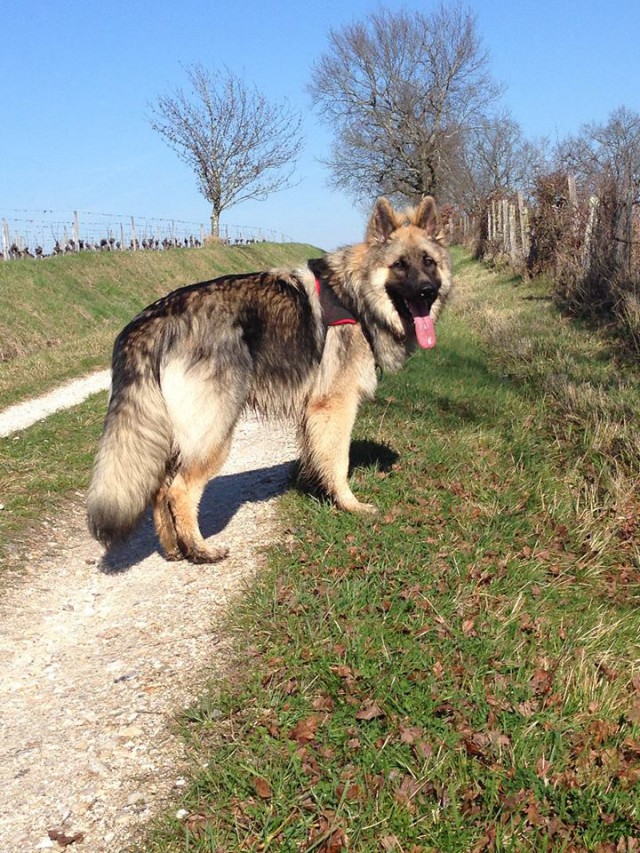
x=594, y=201
x=512, y=233
x=6, y=243
x=524, y=227
x=504, y=223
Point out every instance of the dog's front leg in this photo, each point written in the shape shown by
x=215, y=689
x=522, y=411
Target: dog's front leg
x=325, y=441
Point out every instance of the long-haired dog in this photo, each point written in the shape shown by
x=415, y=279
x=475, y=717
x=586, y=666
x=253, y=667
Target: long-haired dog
x=300, y=344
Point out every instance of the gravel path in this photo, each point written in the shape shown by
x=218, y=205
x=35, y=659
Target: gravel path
x=23, y=415
x=97, y=659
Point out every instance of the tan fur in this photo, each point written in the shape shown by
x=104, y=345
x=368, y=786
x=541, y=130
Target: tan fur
x=188, y=366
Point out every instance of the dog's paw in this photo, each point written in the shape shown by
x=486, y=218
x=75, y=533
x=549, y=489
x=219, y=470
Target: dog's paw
x=174, y=556
x=354, y=505
x=366, y=509
x=208, y=555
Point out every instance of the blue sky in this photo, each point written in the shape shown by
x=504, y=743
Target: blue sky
x=77, y=78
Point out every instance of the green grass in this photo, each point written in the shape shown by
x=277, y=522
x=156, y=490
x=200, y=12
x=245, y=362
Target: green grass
x=59, y=316
x=45, y=467
x=462, y=672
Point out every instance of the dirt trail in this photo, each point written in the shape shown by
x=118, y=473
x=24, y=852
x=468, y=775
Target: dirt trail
x=96, y=660
x=22, y=415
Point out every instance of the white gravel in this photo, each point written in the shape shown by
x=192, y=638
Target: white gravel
x=96, y=660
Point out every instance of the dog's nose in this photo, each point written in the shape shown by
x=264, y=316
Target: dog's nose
x=429, y=290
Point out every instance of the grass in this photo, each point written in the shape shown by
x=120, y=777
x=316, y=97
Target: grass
x=45, y=467
x=59, y=316
x=463, y=672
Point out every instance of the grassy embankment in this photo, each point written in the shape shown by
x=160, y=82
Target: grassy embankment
x=58, y=320
x=461, y=673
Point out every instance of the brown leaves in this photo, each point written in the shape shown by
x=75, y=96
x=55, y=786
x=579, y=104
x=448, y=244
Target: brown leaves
x=541, y=682
x=414, y=737
x=326, y=837
x=304, y=731
x=262, y=788
x=63, y=839
x=408, y=788
x=323, y=702
x=369, y=710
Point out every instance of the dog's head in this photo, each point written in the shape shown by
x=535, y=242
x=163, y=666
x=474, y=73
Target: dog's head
x=412, y=264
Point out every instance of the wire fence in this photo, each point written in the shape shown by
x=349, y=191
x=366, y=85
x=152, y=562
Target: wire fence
x=43, y=233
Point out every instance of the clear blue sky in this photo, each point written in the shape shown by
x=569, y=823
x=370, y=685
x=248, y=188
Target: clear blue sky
x=77, y=78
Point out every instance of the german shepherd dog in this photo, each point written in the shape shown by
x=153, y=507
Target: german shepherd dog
x=300, y=344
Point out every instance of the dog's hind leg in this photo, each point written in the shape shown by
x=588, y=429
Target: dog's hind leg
x=164, y=524
x=176, y=512
x=325, y=437
x=203, y=416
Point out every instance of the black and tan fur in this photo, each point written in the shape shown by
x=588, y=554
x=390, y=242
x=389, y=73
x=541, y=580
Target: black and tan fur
x=186, y=369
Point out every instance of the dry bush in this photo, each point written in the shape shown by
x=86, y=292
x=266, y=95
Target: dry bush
x=588, y=253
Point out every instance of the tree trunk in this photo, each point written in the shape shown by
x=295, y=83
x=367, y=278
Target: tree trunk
x=215, y=222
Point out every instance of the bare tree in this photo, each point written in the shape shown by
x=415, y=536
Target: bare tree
x=400, y=89
x=495, y=158
x=609, y=150
x=239, y=145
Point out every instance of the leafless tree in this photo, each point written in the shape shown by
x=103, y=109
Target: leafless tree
x=239, y=145
x=495, y=158
x=610, y=150
x=400, y=89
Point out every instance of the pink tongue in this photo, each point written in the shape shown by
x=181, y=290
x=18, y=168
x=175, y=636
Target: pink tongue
x=425, y=328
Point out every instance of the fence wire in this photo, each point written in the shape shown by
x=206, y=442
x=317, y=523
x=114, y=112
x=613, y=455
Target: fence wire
x=28, y=233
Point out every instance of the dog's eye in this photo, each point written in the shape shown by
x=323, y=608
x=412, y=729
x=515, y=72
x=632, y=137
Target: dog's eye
x=400, y=265
x=428, y=261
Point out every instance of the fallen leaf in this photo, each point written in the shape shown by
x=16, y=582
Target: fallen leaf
x=64, y=840
x=369, y=710
x=423, y=749
x=342, y=671
x=323, y=702
x=262, y=788
x=542, y=768
x=409, y=734
x=533, y=815
x=438, y=669
x=541, y=682
x=304, y=731
x=407, y=789
x=325, y=838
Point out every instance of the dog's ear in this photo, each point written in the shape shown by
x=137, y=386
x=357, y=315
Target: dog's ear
x=426, y=217
x=382, y=223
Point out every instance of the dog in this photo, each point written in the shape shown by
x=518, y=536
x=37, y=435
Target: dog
x=302, y=343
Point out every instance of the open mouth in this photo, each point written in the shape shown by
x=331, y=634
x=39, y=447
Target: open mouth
x=417, y=311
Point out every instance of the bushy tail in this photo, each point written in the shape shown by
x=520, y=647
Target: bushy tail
x=131, y=460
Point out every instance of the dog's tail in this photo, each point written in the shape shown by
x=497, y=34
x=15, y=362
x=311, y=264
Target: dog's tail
x=131, y=461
